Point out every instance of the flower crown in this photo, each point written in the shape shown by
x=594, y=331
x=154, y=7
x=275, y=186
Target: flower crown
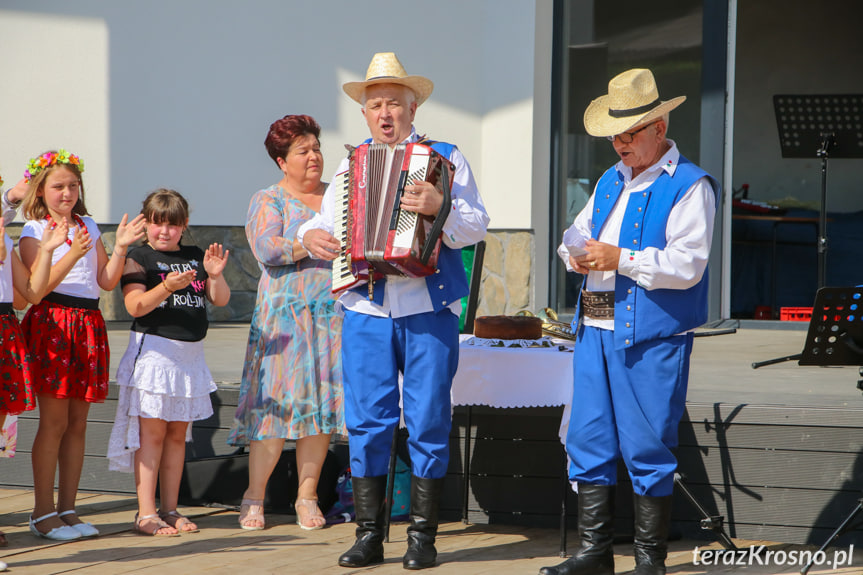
x=47, y=159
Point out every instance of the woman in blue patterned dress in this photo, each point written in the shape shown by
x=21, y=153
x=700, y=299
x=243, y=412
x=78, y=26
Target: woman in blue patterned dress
x=292, y=377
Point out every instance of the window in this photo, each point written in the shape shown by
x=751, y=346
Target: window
x=595, y=41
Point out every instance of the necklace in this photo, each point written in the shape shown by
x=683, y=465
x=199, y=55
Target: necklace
x=77, y=219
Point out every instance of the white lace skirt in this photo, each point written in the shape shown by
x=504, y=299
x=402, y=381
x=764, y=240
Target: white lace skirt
x=158, y=378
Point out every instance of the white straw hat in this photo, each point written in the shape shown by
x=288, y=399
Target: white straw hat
x=385, y=68
x=632, y=100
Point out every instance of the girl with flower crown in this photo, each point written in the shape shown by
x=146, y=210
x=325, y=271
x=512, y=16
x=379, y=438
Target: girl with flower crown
x=15, y=279
x=164, y=381
x=66, y=334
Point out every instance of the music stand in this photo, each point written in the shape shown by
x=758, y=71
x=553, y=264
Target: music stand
x=835, y=337
x=820, y=126
x=715, y=523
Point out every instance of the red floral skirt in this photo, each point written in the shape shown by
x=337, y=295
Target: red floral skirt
x=69, y=355
x=15, y=393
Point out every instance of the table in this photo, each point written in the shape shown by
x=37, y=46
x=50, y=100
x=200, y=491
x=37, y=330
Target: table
x=496, y=376
x=515, y=376
x=507, y=377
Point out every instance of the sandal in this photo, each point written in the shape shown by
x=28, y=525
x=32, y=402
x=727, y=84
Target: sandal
x=85, y=529
x=62, y=533
x=178, y=521
x=159, y=526
x=252, y=510
x=314, y=518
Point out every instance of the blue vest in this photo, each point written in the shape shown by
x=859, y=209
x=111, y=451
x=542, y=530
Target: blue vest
x=449, y=282
x=642, y=315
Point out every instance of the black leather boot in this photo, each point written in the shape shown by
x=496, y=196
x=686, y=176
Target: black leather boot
x=652, y=520
x=425, y=500
x=369, y=497
x=596, y=530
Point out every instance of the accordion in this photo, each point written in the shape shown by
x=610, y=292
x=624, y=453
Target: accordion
x=377, y=236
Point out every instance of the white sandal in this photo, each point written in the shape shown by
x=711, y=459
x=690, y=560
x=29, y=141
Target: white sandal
x=85, y=529
x=64, y=533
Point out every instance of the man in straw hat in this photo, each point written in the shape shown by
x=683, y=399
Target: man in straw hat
x=411, y=327
x=642, y=242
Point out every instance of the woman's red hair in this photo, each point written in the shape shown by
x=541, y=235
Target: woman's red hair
x=283, y=133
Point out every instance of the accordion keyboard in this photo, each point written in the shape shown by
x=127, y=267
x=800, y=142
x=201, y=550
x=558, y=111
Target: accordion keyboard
x=343, y=276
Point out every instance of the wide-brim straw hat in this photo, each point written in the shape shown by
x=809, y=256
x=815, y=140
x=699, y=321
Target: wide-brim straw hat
x=385, y=68
x=632, y=101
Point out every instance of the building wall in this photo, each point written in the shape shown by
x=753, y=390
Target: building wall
x=181, y=94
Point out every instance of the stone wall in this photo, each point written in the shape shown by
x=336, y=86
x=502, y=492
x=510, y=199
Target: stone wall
x=508, y=273
x=506, y=287
x=241, y=273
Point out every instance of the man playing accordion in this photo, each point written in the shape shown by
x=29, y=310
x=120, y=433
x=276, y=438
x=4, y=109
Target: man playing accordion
x=409, y=327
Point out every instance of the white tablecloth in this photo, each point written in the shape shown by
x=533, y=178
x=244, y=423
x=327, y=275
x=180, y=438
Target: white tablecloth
x=514, y=377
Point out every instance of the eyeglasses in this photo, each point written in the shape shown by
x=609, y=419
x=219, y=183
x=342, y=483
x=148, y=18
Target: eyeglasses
x=627, y=137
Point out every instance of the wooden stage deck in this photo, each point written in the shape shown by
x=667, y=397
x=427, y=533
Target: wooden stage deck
x=776, y=451
x=222, y=548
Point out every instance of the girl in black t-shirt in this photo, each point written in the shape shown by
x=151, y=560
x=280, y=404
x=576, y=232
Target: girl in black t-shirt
x=164, y=381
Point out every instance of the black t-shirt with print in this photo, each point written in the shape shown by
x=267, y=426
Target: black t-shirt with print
x=183, y=315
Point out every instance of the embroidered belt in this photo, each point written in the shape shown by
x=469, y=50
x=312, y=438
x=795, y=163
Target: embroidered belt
x=72, y=301
x=597, y=304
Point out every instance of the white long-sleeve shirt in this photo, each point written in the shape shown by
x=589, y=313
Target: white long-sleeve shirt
x=466, y=225
x=9, y=211
x=680, y=265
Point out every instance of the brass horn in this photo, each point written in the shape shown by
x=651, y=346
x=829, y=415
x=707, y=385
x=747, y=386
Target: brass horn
x=553, y=326
x=550, y=324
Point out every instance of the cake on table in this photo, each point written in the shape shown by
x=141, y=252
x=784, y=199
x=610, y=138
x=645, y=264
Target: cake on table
x=507, y=327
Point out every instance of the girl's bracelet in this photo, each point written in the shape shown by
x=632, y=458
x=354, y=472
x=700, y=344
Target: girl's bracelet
x=164, y=285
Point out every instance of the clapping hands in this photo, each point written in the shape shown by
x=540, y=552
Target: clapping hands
x=176, y=281
x=130, y=232
x=215, y=260
x=55, y=236
x=81, y=241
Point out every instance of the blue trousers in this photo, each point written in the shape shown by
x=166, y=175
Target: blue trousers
x=627, y=403
x=424, y=348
